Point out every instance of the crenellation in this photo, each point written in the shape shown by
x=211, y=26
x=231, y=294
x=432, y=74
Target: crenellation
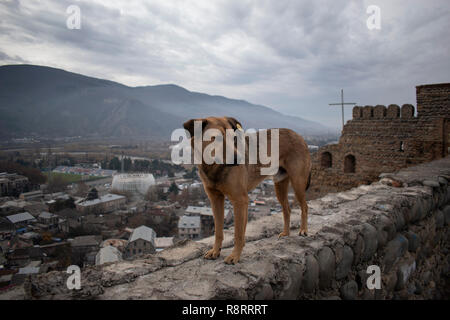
x=357, y=112
x=407, y=111
x=379, y=112
x=386, y=139
x=393, y=111
x=367, y=112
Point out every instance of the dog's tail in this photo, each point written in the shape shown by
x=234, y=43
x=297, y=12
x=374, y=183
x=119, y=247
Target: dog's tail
x=309, y=181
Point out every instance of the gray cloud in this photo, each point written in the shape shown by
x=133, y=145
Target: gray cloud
x=293, y=56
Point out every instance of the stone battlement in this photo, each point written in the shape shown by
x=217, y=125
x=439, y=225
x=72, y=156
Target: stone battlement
x=382, y=139
x=393, y=111
x=399, y=223
x=433, y=100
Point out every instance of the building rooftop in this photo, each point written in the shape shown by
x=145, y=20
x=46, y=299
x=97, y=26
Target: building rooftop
x=85, y=171
x=69, y=213
x=28, y=270
x=15, y=203
x=32, y=193
x=20, y=217
x=143, y=232
x=11, y=176
x=106, y=198
x=189, y=222
x=114, y=242
x=207, y=211
x=83, y=241
x=199, y=210
x=47, y=215
x=163, y=242
x=108, y=254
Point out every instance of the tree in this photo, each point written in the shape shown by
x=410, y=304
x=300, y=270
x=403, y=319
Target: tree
x=127, y=164
x=152, y=194
x=56, y=184
x=93, y=194
x=155, y=194
x=114, y=164
x=173, y=197
x=184, y=197
x=82, y=189
x=191, y=174
x=34, y=175
x=174, y=188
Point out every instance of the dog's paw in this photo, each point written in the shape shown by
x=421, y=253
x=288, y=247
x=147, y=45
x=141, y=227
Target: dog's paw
x=232, y=259
x=212, y=254
x=303, y=232
x=283, y=234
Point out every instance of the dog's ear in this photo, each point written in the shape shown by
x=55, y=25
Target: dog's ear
x=189, y=125
x=236, y=125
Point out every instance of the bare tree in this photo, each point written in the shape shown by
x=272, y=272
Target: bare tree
x=82, y=189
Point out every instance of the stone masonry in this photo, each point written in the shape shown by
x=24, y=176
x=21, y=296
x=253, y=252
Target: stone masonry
x=380, y=139
x=399, y=223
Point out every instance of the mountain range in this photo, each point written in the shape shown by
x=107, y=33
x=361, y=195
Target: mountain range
x=44, y=101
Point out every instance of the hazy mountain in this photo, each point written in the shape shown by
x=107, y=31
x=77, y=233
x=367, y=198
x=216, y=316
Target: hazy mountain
x=54, y=102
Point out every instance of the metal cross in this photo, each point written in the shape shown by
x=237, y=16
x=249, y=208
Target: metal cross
x=342, y=103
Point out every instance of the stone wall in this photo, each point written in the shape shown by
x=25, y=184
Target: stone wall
x=386, y=139
x=433, y=100
x=400, y=223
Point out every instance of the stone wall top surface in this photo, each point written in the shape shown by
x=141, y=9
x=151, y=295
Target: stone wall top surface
x=269, y=267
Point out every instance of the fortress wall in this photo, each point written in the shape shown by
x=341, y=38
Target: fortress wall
x=400, y=223
x=385, y=139
x=433, y=100
x=378, y=144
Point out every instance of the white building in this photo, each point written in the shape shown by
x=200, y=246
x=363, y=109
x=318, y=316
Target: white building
x=108, y=254
x=133, y=182
x=162, y=243
x=141, y=241
x=189, y=227
x=207, y=218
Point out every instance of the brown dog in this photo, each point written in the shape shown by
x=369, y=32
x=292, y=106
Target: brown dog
x=235, y=181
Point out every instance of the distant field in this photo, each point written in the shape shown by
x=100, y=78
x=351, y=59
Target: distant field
x=70, y=178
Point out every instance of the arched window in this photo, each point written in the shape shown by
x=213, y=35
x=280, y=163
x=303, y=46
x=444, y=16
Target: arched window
x=326, y=160
x=402, y=146
x=349, y=164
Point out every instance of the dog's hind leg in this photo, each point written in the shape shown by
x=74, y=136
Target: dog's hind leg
x=217, y=200
x=281, y=190
x=299, y=182
x=301, y=197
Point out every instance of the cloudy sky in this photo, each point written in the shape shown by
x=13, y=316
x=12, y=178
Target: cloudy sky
x=293, y=56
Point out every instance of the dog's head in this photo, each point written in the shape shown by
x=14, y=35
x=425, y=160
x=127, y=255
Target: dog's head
x=218, y=125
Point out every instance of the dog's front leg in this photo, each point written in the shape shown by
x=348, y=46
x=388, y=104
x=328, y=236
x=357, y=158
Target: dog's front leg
x=217, y=200
x=240, y=207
